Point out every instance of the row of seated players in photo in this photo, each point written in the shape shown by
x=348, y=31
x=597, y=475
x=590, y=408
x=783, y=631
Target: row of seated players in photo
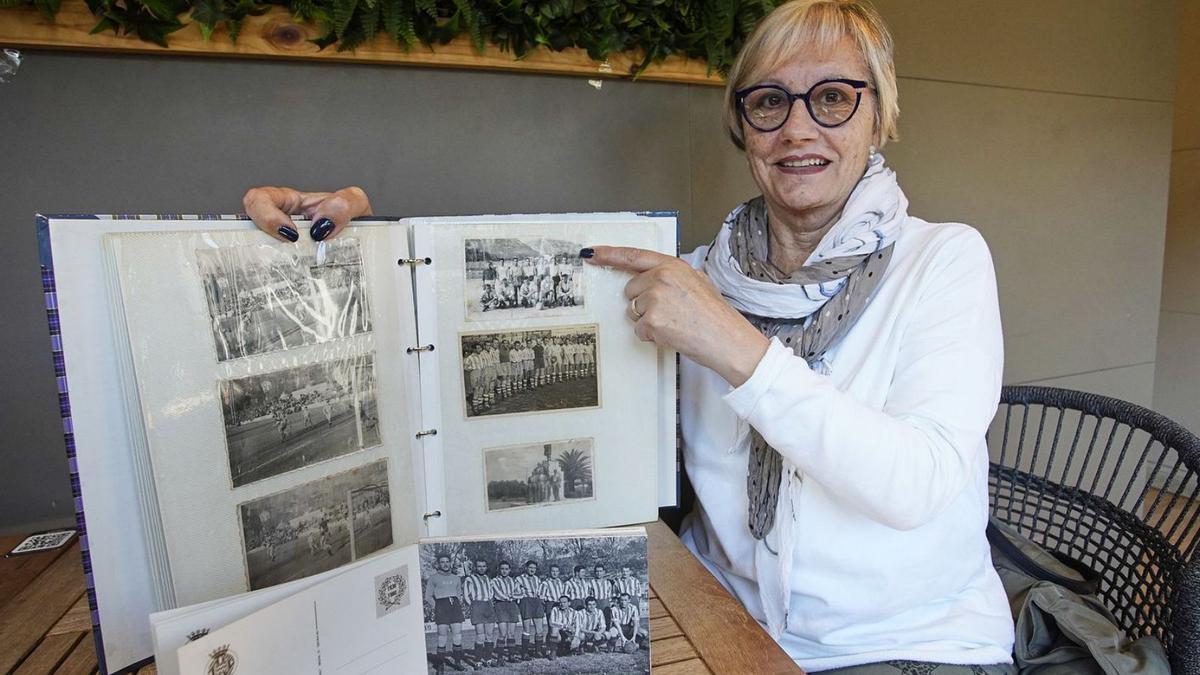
x=553, y=616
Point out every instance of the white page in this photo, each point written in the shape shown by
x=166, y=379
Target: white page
x=617, y=425
x=367, y=620
x=176, y=627
x=195, y=372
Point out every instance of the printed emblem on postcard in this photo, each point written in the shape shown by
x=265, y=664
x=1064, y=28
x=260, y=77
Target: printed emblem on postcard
x=222, y=661
x=391, y=591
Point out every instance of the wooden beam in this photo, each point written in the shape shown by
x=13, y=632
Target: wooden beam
x=276, y=35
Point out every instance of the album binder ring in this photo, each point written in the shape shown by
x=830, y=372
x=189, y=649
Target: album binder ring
x=422, y=348
x=427, y=432
x=432, y=514
x=414, y=261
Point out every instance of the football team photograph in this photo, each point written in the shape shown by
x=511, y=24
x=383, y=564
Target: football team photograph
x=263, y=299
x=531, y=370
x=522, y=277
x=285, y=420
x=554, y=605
x=316, y=526
x=538, y=474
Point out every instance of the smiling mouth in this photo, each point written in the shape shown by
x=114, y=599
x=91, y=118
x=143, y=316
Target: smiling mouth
x=804, y=163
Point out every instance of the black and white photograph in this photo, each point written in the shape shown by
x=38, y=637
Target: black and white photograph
x=537, y=605
x=286, y=420
x=528, y=371
x=539, y=474
x=264, y=299
x=316, y=526
x=522, y=277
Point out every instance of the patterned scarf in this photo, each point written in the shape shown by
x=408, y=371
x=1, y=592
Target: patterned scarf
x=809, y=310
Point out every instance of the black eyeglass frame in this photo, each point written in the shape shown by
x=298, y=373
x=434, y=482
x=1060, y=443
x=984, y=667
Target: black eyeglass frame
x=741, y=94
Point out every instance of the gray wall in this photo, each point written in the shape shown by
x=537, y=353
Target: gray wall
x=1018, y=117
x=1177, y=379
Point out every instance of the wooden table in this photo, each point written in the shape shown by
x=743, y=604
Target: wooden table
x=695, y=626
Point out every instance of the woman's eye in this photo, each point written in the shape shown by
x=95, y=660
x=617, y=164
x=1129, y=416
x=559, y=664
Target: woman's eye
x=773, y=100
x=832, y=97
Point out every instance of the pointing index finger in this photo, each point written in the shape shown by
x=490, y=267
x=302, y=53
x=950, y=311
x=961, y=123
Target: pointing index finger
x=628, y=258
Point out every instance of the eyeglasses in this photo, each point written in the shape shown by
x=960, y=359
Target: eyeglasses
x=831, y=103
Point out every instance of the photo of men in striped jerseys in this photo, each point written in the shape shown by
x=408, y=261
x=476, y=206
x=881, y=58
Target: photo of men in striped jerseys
x=537, y=605
x=533, y=370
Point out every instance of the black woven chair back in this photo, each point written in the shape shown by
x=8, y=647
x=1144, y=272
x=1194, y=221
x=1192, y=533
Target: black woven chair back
x=1114, y=486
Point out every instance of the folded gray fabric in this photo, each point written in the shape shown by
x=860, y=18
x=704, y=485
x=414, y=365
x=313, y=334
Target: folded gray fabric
x=1060, y=632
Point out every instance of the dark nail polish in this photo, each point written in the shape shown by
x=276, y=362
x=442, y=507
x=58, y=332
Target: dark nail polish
x=586, y=253
x=321, y=229
x=288, y=233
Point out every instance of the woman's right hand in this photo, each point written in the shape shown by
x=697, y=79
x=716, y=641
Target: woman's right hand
x=330, y=212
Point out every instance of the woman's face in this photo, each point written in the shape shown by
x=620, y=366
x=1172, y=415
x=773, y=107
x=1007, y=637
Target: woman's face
x=813, y=193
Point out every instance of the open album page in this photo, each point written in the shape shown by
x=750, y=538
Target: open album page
x=549, y=404
x=273, y=399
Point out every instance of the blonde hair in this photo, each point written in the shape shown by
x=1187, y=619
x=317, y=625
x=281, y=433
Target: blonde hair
x=801, y=24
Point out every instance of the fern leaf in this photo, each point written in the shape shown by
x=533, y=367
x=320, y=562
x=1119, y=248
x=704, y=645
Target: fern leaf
x=370, y=20
x=343, y=11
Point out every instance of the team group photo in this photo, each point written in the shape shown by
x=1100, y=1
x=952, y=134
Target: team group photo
x=316, y=526
x=531, y=370
x=517, y=277
x=288, y=419
x=263, y=299
x=555, y=605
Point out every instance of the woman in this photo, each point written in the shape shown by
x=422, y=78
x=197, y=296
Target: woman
x=841, y=355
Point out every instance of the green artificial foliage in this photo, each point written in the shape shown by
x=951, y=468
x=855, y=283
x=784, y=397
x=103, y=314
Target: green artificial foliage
x=712, y=30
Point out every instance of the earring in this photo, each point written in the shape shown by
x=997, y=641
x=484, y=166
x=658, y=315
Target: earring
x=872, y=152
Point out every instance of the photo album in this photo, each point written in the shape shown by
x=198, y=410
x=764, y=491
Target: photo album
x=251, y=422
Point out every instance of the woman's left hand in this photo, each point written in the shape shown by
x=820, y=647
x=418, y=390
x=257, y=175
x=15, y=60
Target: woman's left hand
x=677, y=307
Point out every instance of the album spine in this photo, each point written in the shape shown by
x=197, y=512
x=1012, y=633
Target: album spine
x=50, y=296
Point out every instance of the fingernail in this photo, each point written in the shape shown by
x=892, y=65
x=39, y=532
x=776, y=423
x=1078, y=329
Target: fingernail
x=586, y=253
x=288, y=233
x=321, y=229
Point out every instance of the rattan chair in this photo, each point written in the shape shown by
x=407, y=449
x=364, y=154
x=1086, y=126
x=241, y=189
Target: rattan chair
x=1115, y=486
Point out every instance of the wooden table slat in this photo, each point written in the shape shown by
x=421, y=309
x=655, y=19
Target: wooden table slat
x=664, y=627
x=81, y=660
x=724, y=634
x=148, y=670
x=657, y=609
x=38, y=607
x=48, y=654
x=671, y=650
x=689, y=667
x=78, y=619
x=19, y=571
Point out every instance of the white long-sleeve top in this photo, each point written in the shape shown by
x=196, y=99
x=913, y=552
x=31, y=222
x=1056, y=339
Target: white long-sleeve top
x=891, y=560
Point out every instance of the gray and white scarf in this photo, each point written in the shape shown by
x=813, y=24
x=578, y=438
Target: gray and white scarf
x=809, y=311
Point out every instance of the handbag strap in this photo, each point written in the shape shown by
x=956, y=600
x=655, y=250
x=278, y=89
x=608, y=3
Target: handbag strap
x=1088, y=585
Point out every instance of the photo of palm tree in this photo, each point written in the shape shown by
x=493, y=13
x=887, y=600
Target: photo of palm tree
x=539, y=474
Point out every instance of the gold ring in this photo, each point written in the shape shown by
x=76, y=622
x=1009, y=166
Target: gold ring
x=633, y=307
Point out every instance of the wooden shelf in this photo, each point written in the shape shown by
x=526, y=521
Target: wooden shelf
x=275, y=35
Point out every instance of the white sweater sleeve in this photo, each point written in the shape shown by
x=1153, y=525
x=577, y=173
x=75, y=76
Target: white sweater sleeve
x=901, y=465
